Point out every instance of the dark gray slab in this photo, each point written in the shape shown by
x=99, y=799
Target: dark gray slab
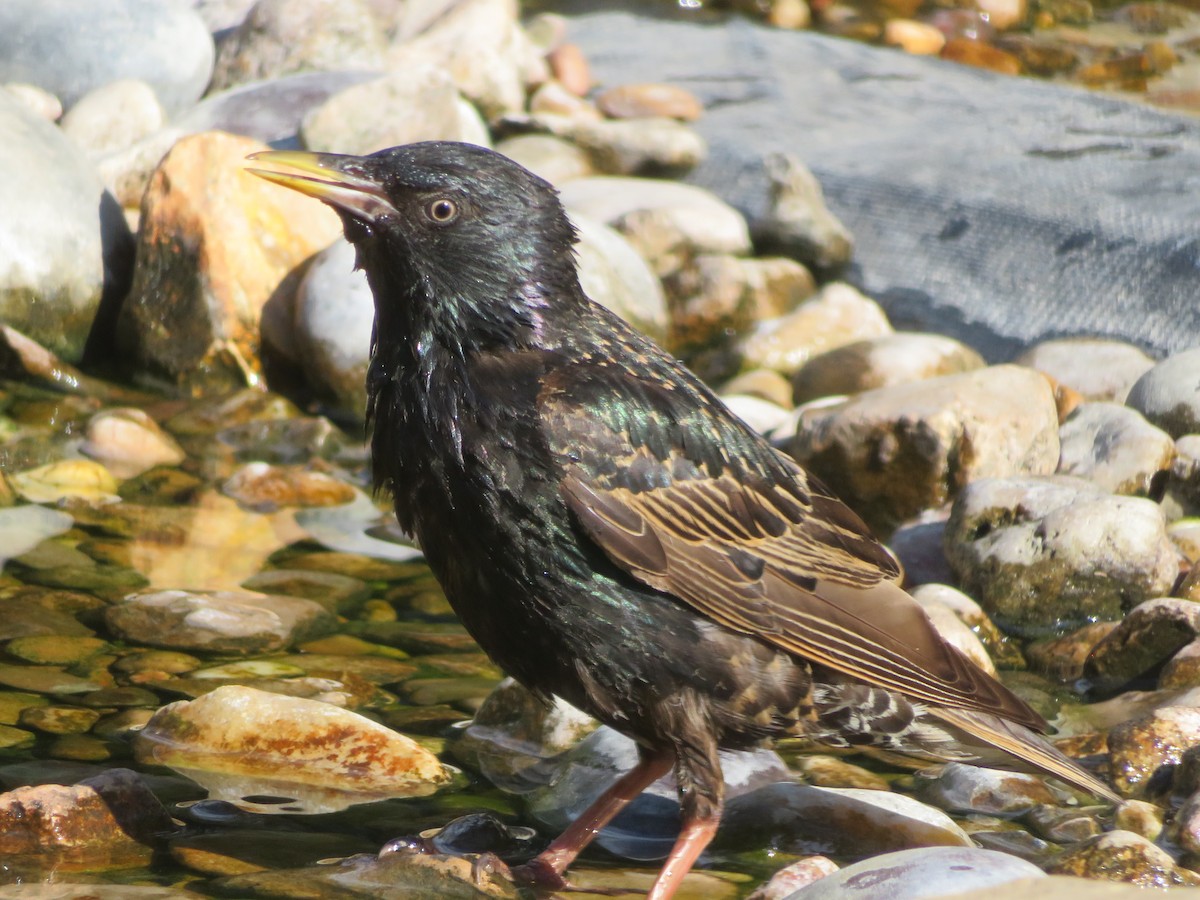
x=995, y=209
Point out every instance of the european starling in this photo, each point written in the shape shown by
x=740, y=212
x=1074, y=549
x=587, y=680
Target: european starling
x=606, y=529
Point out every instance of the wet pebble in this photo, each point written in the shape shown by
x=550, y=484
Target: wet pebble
x=24, y=527
x=633, y=101
x=962, y=788
x=128, y=442
x=263, y=487
x=794, y=876
x=1150, y=634
x=1016, y=541
x=1124, y=856
x=217, y=621
x=1145, y=751
x=238, y=851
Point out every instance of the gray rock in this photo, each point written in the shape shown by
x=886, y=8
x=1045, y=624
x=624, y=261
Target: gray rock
x=962, y=788
x=333, y=317
x=1147, y=637
x=895, y=452
x=1115, y=447
x=222, y=15
x=918, y=544
x=1182, y=495
x=1054, y=552
x=615, y=276
x=797, y=222
x=996, y=255
x=420, y=104
x=1100, y=370
x=217, y=621
x=70, y=47
x=114, y=117
x=707, y=224
x=915, y=874
x=281, y=37
x=552, y=158
x=883, y=361
x=651, y=147
x=270, y=111
x=1169, y=394
x=65, y=239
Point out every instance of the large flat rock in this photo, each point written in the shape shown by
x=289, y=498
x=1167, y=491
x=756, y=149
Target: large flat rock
x=998, y=210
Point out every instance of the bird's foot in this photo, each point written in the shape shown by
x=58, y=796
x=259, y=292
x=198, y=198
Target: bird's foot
x=537, y=875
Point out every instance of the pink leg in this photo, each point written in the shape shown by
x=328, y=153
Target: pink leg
x=695, y=835
x=546, y=870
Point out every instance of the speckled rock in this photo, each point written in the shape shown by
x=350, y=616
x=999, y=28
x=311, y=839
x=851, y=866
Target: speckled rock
x=1183, y=669
x=894, y=452
x=1044, y=553
x=281, y=37
x=1169, y=394
x=962, y=788
x=66, y=243
x=1115, y=447
x=1100, y=370
x=215, y=243
x=70, y=47
x=1144, y=751
x=1124, y=856
x=1144, y=640
x=882, y=362
x=837, y=315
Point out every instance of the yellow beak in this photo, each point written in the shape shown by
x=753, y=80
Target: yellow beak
x=341, y=181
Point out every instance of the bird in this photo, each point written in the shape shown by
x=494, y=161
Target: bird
x=606, y=529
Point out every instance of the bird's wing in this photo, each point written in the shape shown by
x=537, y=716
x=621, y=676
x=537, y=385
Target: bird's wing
x=686, y=499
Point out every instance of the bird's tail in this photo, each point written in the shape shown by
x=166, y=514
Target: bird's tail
x=1024, y=745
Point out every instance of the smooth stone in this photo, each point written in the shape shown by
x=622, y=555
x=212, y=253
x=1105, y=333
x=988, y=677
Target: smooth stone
x=114, y=117
x=552, y=158
x=894, y=452
x=1100, y=370
x=269, y=111
x=13, y=703
x=110, y=820
x=765, y=384
x=613, y=274
x=1168, y=395
x=282, y=37
x=56, y=649
x=329, y=328
x=630, y=147
x=554, y=99
x=1000, y=649
x=919, y=873
x=837, y=821
x=85, y=748
x=1116, y=448
x=1015, y=542
x=837, y=315
x=963, y=788
x=794, y=876
x=1063, y=658
x=128, y=442
x=217, y=621
x=1187, y=821
x=1139, y=817
x=1143, y=752
x=959, y=634
x=883, y=361
x=45, y=680
x=24, y=527
x=634, y=101
x=59, y=720
x=34, y=610
x=918, y=544
x=265, y=488
x=215, y=243
x=40, y=102
x=1149, y=635
x=1181, y=499
x=15, y=738
x=244, y=745
x=1061, y=826
x=338, y=593
x=1183, y=669
x=707, y=224
x=70, y=47
x=1124, y=856
x=719, y=295
x=155, y=663
x=481, y=44
x=67, y=243
x=421, y=104
x=832, y=772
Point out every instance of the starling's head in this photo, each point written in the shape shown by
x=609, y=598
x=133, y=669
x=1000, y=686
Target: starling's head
x=447, y=232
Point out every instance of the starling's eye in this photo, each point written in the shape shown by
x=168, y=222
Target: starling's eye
x=442, y=211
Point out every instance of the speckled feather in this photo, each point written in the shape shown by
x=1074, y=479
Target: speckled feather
x=604, y=527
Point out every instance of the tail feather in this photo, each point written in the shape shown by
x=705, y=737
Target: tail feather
x=1025, y=745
